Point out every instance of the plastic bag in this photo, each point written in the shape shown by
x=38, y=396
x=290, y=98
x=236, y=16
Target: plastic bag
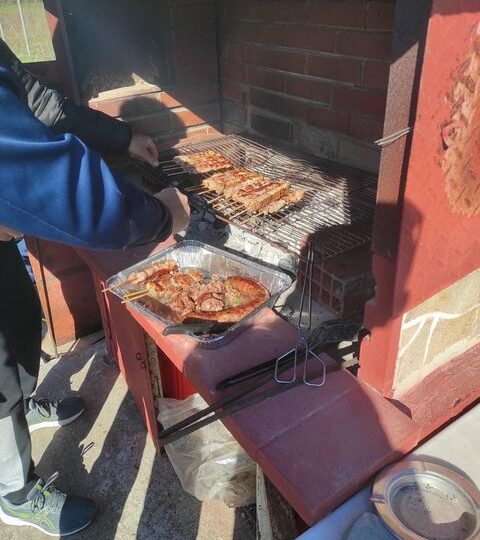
x=210, y=463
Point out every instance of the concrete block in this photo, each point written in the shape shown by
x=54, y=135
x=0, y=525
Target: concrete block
x=436, y=331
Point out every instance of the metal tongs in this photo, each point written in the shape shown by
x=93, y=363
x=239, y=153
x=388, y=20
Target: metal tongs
x=302, y=351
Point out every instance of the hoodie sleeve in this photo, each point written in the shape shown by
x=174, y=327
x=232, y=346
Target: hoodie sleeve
x=55, y=188
x=98, y=130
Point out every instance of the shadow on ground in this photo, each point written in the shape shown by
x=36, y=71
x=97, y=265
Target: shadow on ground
x=105, y=455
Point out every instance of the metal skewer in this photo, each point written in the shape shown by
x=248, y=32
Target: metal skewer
x=177, y=173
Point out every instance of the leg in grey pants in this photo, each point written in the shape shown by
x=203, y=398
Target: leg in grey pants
x=20, y=346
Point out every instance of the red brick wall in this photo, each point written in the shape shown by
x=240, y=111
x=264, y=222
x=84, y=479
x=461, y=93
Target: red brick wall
x=310, y=73
x=191, y=107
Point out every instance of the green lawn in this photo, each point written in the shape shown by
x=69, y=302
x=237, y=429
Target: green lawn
x=36, y=26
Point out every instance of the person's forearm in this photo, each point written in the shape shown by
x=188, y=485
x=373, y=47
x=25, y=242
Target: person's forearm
x=96, y=129
x=103, y=133
x=55, y=188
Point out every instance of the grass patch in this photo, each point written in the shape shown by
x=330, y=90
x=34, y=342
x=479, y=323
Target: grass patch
x=38, y=34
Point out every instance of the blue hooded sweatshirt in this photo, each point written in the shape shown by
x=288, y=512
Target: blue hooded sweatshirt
x=55, y=187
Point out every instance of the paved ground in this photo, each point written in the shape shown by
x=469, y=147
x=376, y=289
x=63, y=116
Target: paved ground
x=106, y=455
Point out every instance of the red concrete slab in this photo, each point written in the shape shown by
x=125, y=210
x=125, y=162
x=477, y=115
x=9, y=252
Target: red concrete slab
x=318, y=445
x=318, y=462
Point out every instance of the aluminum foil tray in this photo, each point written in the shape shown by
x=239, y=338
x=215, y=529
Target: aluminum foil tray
x=211, y=260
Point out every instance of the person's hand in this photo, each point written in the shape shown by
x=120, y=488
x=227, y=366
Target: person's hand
x=7, y=234
x=178, y=205
x=144, y=148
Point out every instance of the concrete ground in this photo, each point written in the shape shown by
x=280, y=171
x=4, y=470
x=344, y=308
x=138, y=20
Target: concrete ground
x=106, y=455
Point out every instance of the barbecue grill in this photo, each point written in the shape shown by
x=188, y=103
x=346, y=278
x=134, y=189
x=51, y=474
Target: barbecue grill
x=310, y=77
x=336, y=201
x=336, y=214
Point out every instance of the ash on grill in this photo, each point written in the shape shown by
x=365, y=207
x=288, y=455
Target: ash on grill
x=336, y=214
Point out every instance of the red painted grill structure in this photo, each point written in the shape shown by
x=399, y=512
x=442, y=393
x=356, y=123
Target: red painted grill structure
x=325, y=79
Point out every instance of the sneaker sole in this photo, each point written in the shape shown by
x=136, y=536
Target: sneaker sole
x=56, y=423
x=17, y=522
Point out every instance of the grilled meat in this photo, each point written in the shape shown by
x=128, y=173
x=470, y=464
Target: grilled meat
x=197, y=275
x=185, y=295
x=223, y=181
x=157, y=269
x=214, y=286
x=293, y=197
x=209, y=302
x=242, y=296
x=256, y=198
x=203, y=162
x=253, y=190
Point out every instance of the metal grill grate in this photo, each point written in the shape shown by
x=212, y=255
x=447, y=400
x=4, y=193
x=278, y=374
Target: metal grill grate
x=336, y=213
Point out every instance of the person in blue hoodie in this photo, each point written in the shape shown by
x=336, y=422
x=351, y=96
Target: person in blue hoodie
x=54, y=185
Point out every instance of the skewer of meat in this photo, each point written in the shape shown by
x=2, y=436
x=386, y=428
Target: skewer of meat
x=256, y=199
x=249, y=185
x=203, y=162
x=220, y=182
x=137, y=278
x=293, y=197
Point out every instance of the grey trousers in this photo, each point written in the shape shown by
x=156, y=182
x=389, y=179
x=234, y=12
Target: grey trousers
x=20, y=347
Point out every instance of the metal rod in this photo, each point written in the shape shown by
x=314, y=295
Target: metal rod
x=239, y=401
x=177, y=173
x=48, y=311
x=27, y=44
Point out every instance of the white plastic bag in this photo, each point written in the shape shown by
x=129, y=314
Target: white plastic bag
x=210, y=463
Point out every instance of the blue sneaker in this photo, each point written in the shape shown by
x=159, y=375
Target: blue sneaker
x=44, y=413
x=49, y=510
